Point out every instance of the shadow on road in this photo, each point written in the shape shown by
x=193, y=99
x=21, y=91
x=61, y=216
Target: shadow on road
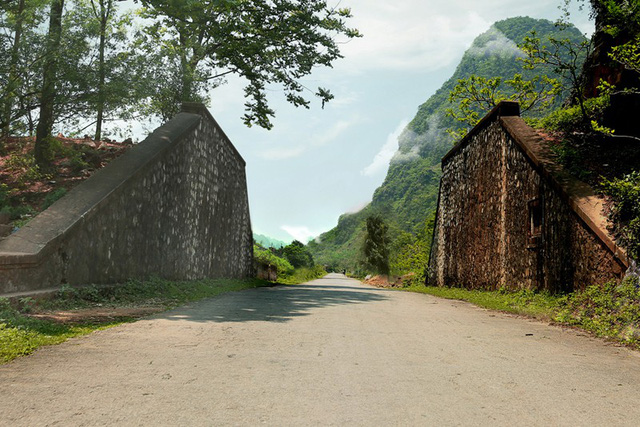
x=276, y=304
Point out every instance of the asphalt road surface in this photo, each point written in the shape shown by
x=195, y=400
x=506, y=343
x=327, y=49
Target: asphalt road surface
x=330, y=352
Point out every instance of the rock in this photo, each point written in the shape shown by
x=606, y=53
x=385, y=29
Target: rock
x=5, y=230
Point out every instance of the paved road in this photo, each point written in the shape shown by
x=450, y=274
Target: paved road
x=331, y=352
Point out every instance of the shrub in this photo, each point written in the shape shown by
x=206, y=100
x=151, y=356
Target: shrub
x=570, y=118
x=265, y=256
x=625, y=193
x=24, y=166
x=611, y=310
x=53, y=197
x=4, y=196
x=17, y=212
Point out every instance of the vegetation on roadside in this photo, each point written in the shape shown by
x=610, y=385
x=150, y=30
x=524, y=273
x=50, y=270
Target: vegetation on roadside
x=625, y=214
x=268, y=257
x=610, y=311
x=22, y=331
x=376, y=246
x=303, y=274
x=294, y=263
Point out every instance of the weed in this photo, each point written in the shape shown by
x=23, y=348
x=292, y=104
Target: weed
x=24, y=166
x=625, y=193
x=27, y=304
x=611, y=310
x=53, y=197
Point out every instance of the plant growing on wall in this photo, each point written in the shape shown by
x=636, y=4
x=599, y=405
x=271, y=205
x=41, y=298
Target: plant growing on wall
x=625, y=193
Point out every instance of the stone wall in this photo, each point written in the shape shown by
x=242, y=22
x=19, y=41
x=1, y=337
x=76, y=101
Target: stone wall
x=175, y=206
x=509, y=216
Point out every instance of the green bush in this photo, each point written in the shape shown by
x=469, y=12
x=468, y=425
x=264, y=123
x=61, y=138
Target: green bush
x=17, y=212
x=625, y=193
x=611, y=310
x=570, y=118
x=266, y=257
x=4, y=196
x=25, y=166
x=53, y=197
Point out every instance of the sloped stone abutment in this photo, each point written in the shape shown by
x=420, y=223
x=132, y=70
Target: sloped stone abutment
x=175, y=206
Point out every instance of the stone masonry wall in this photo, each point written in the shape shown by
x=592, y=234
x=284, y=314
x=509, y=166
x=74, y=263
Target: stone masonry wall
x=482, y=237
x=174, y=207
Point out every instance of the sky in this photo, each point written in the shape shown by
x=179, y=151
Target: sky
x=317, y=164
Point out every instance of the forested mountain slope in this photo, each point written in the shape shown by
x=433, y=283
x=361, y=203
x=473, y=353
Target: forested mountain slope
x=407, y=198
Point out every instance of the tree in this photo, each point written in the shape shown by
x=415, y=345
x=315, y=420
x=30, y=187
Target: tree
x=477, y=95
x=628, y=54
x=266, y=42
x=42, y=150
x=566, y=59
x=110, y=81
x=376, y=245
x=18, y=25
x=298, y=255
x=103, y=11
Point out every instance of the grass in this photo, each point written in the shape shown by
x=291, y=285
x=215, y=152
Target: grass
x=540, y=305
x=21, y=334
x=610, y=311
x=301, y=275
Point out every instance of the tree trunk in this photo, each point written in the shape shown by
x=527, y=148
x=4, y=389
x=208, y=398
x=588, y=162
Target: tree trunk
x=13, y=74
x=42, y=149
x=105, y=12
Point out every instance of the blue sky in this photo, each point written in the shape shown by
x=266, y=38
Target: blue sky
x=316, y=164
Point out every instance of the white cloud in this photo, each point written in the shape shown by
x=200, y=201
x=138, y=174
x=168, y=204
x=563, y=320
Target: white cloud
x=429, y=35
x=303, y=145
x=300, y=233
x=494, y=42
x=410, y=35
x=381, y=160
x=358, y=207
x=333, y=132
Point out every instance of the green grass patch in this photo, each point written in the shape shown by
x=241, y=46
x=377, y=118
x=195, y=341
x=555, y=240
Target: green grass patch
x=303, y=274
x=540, y=305
x=155, y=292
x=610, y=311
x=21, y=334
